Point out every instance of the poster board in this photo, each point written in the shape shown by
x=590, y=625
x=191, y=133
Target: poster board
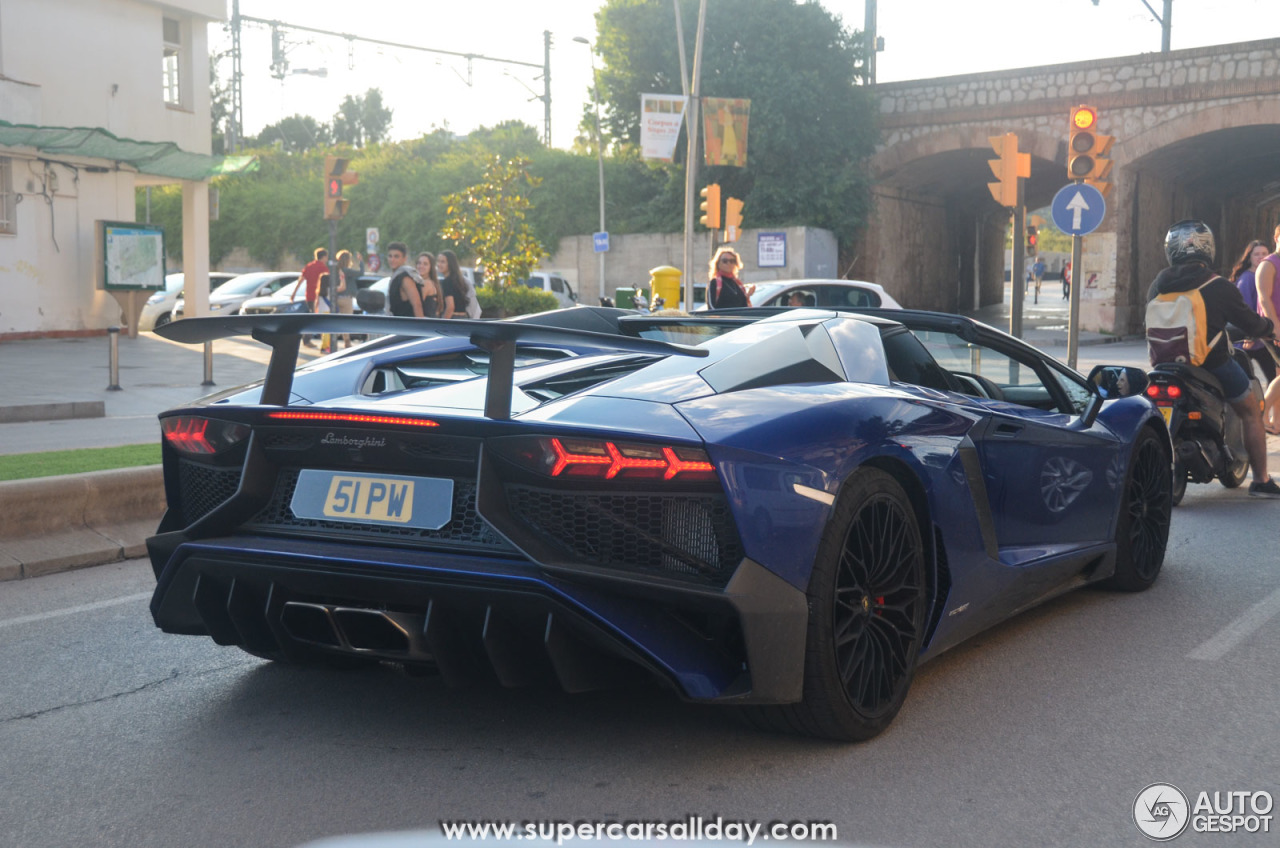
x=130, y=256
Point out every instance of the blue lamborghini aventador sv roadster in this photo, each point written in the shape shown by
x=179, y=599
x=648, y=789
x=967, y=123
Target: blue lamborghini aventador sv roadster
x=781, y=511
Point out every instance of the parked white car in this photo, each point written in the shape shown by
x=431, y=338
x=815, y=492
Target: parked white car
x=552, y=283
x=227, y=298
x=823, y=293
x=155, y=312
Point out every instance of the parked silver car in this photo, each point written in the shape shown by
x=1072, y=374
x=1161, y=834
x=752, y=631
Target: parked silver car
x=227, y=298
x=155, y=312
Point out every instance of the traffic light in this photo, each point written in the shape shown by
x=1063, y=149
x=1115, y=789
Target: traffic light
x=1009, y=168
x=732, y=219
x=336, y=176
x=710, y=207
x=1033, y=239
x=1087, y=149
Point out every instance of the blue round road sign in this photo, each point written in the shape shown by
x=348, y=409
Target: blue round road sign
x=1078, y=209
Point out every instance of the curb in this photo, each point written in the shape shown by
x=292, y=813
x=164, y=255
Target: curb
x=52, y=411
x=53, y=524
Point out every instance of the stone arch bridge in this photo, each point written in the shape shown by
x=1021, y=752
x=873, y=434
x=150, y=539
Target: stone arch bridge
x=1197, y=134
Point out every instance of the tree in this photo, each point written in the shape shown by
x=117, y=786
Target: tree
x=294, y=134
x=490, y=219
x=362, y=120
x=812, y=125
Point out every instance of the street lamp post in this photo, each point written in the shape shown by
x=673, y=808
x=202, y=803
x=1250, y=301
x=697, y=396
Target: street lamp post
x=595, y=97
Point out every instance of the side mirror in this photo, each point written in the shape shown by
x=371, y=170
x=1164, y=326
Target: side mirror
x=1117, y=381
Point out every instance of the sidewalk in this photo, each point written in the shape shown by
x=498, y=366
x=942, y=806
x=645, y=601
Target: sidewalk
x=62, y=383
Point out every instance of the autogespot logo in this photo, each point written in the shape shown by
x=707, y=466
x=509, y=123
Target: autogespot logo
x=1160, y=811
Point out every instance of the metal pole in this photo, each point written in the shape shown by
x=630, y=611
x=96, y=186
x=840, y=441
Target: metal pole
x=113, y=362
x=595, y=90
x=869, y=33
x=691, y=159
x=546, y=87
x=1073, y=322
x=1018, y=273
x=1166, y=28
x=208, y=365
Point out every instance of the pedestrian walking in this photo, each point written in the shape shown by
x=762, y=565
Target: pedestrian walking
x=1037, y=271
x=1066, y=280
x=311, y=274
x=1267, y=283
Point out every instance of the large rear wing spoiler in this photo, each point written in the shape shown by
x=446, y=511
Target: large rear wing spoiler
x=284, y=334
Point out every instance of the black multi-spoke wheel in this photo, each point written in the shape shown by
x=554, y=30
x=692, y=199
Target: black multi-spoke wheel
x=1143, y=529
x=868, y=599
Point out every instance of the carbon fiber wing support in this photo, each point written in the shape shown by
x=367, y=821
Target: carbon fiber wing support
x=500, y=338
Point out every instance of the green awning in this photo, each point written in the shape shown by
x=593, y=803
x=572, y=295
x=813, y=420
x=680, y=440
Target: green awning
x=157, y=158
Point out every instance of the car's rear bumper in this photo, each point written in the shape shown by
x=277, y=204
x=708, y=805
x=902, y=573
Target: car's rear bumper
x=502, y=618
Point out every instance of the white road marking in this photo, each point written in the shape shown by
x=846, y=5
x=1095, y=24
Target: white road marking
x=96, y=605
x=1239, y=630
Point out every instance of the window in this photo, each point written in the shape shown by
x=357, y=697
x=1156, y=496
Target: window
x=8, y=202
x=172, y=66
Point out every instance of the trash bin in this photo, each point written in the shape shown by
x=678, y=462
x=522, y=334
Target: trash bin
x=665, y=282
x=625, y=298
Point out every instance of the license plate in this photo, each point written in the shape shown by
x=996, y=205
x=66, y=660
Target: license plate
x=1167, y=412
x=390, y=499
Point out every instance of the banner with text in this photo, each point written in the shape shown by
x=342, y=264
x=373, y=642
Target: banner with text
x=660, y=118
x=724, y=124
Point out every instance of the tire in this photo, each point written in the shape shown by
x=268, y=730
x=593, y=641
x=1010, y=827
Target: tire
x=1179, y=481
x=1143, y=529
x=161, y=319
x=868, y=605
x=1235, y=473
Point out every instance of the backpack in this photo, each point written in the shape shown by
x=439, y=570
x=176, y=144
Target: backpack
x=1177, y=330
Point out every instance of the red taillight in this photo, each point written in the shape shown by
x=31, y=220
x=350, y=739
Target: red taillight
x=351, y=418
x=194, y=435
x=1174, y=391
x=1153, y=391
x=599, y=458
x=1163, y=391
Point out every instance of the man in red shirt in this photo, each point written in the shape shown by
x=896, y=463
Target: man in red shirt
x=311, y=273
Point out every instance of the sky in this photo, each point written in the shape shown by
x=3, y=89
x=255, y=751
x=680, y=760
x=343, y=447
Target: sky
x=426, y=91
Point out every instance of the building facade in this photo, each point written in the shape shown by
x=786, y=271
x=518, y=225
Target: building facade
x=97, y=99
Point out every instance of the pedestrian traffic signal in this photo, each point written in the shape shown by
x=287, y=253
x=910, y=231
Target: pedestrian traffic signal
x=1087, y=149
x=336, y=176
x=710, y=207
x=1033, y=239
x=732, y=219
x=1009, y=168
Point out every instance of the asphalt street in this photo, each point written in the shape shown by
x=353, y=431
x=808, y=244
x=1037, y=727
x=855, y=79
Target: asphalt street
x=1041, y=731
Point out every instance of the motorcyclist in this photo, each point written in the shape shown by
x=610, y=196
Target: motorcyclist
x=1189, y=247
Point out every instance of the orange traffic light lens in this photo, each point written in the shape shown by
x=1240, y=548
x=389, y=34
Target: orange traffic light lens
x=1084, y=118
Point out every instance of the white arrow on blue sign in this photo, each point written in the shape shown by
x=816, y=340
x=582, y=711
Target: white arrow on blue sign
x=1078, y=209
x=600, y=241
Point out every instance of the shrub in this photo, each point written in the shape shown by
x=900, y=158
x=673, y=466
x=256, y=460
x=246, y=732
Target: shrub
x=514, y=300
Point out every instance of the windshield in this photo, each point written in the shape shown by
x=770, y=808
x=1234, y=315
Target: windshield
x=764, y=291
x=242, y=285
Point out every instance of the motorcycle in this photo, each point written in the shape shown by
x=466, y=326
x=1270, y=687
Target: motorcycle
x=1207, y=434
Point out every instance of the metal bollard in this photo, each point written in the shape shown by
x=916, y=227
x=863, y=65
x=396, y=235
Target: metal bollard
x=208, y=365
x=113, y=333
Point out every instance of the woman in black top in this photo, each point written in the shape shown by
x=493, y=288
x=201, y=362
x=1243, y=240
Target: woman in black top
x=725, y=290
x=453, y=291
x=430, y=288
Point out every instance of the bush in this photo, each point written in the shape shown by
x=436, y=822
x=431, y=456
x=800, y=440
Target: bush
x=514, y=300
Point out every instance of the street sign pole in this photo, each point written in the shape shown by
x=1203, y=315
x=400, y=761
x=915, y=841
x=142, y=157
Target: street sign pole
x=1073, y=322
x=1078, y=209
